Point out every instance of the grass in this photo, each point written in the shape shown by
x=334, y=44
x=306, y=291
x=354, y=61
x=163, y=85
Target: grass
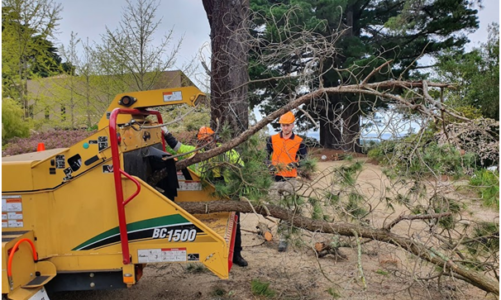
x=261, y=288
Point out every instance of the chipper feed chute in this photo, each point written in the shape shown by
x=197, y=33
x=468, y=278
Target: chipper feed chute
x=85, y=217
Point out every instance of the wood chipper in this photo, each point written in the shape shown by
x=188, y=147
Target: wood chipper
x=84, y=217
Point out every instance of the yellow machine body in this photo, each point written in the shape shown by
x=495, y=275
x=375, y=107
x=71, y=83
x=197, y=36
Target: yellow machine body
x=64, y=203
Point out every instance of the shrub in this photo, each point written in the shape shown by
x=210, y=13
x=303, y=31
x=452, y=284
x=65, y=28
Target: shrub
x=13, y=124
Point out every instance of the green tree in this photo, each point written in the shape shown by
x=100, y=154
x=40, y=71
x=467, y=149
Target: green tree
x=371, y=33
x=13, y=124
x=475, y=74
x=26, y=27
x=129, y=53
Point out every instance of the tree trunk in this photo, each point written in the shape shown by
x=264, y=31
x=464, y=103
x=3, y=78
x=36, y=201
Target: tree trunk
x=431, y=255
x=229, y=75
x=351, y=128
x=331, y=125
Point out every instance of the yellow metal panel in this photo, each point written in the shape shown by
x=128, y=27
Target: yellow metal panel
x=173, y=96
x=16, y=176
x=133, y=139
x=34, y=156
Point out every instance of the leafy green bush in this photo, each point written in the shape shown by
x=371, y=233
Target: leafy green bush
x=488, y=187
x=13, y=124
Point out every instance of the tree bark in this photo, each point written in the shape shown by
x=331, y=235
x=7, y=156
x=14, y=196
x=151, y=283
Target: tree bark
x=229, y=64
x=351, y=128
x=330, y=124
x=431, y=255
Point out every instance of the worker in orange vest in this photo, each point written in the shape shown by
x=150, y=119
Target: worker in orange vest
x=285, y=151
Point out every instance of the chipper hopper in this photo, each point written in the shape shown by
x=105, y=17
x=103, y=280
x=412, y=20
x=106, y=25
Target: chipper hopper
x=85, y=217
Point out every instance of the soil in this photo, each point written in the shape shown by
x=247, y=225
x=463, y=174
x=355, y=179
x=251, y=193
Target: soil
x=298, y=273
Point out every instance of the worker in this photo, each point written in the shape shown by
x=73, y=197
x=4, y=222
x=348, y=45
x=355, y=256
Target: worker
x=285, y=152
x=206, y=137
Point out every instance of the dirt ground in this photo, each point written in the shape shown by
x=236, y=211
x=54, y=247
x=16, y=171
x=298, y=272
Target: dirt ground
x=298, y=273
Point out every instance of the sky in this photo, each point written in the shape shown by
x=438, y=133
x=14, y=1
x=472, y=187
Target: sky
x=188, y=20
x=90, y=18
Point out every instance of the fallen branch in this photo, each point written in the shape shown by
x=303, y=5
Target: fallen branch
x=433, y=256
x=416, y=217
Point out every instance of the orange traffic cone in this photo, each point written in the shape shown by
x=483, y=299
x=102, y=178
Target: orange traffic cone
x=41, y=147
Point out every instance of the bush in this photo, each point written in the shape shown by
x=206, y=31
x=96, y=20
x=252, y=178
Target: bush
x=488, y=187
x=13, y=124
x=52, y=140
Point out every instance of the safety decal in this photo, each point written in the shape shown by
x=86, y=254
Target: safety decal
x=12, y=211
x=172, y=96
x=67, y=172
x=102, y=142
x=12, y=204
x=161, y=255
x=190, y=185
x=193, y=257
x=107, y=168
x=92, y=142
x=40, y=295
x=60, y=162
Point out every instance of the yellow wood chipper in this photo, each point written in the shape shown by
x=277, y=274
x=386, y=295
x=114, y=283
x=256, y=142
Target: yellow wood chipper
x=84, y=217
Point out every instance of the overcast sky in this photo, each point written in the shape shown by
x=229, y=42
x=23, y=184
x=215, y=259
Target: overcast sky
x=89, y=19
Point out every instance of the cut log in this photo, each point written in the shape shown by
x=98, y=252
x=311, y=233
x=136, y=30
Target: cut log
x=264, y=231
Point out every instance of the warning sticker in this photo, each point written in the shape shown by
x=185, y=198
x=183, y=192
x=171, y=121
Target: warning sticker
x=4, y=216
x=5, y=224
x=40, y=295
x=11, y=203
x=15, y=223
x=14, y=216
x=161, y=255
x=189, y=185
x=172, y=96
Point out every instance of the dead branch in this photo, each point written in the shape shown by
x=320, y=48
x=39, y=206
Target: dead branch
x=416, y=217
x=478, y=279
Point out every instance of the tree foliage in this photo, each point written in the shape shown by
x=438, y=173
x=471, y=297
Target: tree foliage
x=369, y=33
x=130, y=55
x=475, y=74
x=13, y=124
x=27, y=52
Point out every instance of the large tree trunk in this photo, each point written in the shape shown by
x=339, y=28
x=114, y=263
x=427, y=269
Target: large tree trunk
x=351, y=128
x=478, y=279
x=331, y=124
x=229, y=75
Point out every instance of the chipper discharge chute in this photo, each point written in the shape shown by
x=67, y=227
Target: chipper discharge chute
x=85, y=217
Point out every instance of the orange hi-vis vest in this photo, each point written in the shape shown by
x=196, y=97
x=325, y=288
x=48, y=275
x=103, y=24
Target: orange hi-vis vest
x=285, y=151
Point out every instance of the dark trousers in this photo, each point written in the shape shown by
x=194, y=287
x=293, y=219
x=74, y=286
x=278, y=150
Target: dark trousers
x=238, y=239
x=238, y=234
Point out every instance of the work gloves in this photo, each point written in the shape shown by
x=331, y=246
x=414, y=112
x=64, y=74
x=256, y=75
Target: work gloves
x=165, y=130
x=170, y=139
x=280, y=167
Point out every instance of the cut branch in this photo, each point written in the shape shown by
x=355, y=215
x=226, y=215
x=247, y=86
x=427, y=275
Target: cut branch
x=431, y=255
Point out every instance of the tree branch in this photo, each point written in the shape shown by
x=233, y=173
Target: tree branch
x=431, y=255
